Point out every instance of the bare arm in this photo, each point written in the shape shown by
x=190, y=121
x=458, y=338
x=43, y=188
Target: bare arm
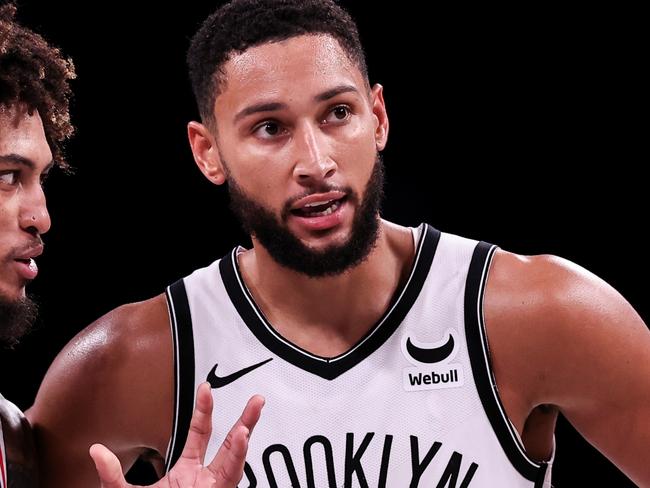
x=112, y=384
x=564, y=337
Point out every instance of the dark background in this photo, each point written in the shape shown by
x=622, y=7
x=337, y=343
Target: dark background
x=519, y=126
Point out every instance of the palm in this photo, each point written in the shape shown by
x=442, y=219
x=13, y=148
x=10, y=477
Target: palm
x=188, y=476
x=224, y=471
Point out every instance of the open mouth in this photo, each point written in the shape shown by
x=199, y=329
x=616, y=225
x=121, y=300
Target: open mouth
x=319, y=209
x=27, y=268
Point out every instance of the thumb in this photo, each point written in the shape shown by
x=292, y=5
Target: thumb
x=108, y=467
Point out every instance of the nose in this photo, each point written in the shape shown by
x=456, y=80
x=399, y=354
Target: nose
x=312, y=160
x=34, y=217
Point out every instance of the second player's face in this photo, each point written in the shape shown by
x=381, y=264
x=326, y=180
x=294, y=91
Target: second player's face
x=25, y=159
x=298, y=131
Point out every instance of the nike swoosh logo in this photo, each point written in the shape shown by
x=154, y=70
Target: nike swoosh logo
x=433, y=355
x=221, y=381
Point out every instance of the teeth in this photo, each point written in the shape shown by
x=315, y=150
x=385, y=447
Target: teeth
x=316, y=204
x=327, y=211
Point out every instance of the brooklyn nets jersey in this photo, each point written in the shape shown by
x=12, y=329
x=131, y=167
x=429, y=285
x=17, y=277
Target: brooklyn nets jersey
x=413, y=403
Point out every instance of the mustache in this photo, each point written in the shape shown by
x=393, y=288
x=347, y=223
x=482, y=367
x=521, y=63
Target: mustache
x=26, y=248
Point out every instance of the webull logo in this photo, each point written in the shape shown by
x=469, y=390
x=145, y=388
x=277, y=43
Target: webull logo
x=445, y=376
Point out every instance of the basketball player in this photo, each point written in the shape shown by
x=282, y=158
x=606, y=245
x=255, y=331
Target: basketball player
x=34, y=121
x=389, y=356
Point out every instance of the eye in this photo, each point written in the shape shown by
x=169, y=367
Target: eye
x=268, y=130
x=339, y=113
x=9, y=177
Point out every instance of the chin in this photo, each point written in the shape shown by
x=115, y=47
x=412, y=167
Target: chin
x=327, y=239
x=12, y=293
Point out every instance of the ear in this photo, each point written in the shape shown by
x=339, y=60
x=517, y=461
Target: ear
x=380, y=115
x=205, y=152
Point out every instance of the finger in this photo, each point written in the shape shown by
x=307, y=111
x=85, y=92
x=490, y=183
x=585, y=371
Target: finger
x=252, y=412
x=227, y=467
x=108, y=467
x=232, y=453
x=200, y=426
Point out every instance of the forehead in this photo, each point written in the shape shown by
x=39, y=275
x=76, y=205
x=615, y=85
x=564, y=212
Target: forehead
x=23, y=135
x=302, y=65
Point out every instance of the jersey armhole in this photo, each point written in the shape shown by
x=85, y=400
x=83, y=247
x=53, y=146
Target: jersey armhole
x=180, y=320
x=484, y=379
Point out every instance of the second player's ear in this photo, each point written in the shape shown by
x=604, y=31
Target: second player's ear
x=205, y=152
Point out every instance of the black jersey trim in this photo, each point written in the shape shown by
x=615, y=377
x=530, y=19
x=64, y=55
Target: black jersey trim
x=479, y=354
x=330, y=368
x=183, y=342
x=539, y=482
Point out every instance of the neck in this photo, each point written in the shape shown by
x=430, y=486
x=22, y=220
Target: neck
x=328, y=315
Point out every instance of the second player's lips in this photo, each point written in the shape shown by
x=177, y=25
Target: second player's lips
x=26, y=265
x=30, y=253
x=27, y=268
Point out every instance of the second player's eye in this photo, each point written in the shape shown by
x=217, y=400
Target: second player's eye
x=9, y=177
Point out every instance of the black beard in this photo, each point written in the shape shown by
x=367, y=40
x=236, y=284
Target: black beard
x=287, y=250
x=16, y=319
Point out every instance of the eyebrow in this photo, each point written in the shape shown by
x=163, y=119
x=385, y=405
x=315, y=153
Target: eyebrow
x=23, y=161
x=335, y=91
x=273, y=106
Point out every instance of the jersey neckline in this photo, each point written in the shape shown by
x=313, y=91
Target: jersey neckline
x=332, y=367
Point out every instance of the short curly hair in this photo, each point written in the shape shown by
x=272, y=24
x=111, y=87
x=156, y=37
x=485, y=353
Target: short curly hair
x=242, y=24
x=34, y=73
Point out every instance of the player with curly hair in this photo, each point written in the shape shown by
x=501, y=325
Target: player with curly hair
x=34, y=123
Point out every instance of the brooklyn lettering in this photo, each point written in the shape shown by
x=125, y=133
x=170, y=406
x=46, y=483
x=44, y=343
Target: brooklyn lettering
x=359, y=465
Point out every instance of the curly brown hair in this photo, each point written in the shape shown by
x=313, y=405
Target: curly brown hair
x=34, y=73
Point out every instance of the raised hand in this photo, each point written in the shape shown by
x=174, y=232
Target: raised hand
x=224, y=471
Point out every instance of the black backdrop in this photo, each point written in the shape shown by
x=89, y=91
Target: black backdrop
x=517, y=126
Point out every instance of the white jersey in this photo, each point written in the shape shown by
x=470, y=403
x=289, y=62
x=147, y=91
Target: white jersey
x=3, y=459
x=413, y=403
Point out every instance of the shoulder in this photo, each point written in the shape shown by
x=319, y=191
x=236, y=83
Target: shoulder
x=125, y=331
x=549, y=320
x=550, y=293
x=118, y=338
x=115, y=372
x=534, y=285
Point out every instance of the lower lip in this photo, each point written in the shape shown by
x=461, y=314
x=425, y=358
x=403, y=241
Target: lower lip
x=27, y=270
x=323, y=222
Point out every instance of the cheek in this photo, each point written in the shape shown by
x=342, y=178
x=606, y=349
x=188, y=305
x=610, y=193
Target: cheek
x=363, y=159
x=364, y=131
x=6, y=210
x=259, y=181
x=261, y=185
x=5, y=229
x=361, y=140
